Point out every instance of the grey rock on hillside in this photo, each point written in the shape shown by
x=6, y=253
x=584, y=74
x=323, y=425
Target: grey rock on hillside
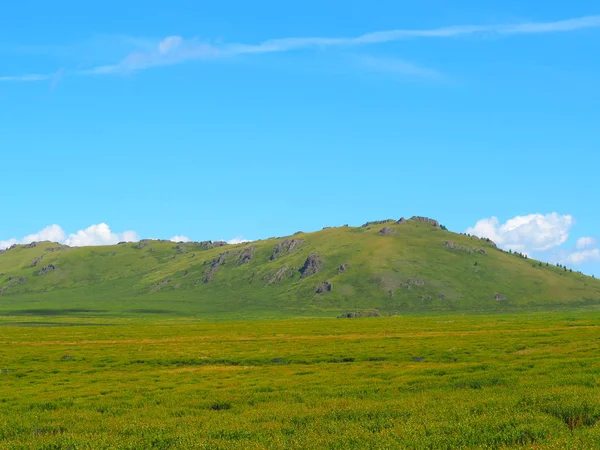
x=207, y=245
x=312, y=265
x=214, y=266
x=279, y=275
x=286, y=247
x=377, y=222
x=325, y=286
x=426, y=220
x=246, y=255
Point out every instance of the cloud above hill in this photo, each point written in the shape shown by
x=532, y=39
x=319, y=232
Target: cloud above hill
x=180, y=239
x=580, y=257
x=539, y=234
x=585, y=242
x=238, y=240
x=99, y=234
x=531, y=233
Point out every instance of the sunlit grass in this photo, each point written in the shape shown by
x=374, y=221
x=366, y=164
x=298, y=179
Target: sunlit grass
x=451, y=382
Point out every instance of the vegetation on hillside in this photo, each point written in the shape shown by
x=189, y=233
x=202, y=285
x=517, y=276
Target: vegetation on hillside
x=406, y=266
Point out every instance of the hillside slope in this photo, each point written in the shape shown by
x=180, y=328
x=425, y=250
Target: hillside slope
x=411, y=266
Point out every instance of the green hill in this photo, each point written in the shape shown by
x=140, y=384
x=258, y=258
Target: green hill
x=411, y=267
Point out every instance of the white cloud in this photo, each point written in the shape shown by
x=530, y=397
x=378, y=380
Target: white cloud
x=52, y=233
x=238, y=240
x=585, y=242
x=175, y=49
x=99, y=234
x=25, y=78
x=8, y=243
x=399, y=66
x=581, y=257
x=168, y=44
x=534, y=232
x=180, y=239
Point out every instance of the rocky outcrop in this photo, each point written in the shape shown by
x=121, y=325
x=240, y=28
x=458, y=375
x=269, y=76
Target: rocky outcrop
x=489, y=241
x=312, y=265
x=357, y=314
x=57, y=249
x=246, y=255
x=285, y=247
x=377, y=222
x=402, y=221
x=454, y=246
x=49, y=268
x=426, y=220
x=12, y=283
x=161, y=284
x=36, y=261
x=278, y=276
x=484, y=239
x=386, y=231
x=325, y=286
x=207, y=245
x=214, y=265
x=343, y=267
x=31, y=245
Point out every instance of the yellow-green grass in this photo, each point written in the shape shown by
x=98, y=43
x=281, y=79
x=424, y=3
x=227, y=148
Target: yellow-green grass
x=160, y=279
x=503, y=381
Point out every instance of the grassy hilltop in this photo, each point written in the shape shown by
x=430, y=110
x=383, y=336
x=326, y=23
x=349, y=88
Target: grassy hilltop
x=413, y=266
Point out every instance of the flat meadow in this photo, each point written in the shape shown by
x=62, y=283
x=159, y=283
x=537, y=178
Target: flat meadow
x=444, y=382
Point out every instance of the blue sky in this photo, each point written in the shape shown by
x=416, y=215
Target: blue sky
x=257, y=119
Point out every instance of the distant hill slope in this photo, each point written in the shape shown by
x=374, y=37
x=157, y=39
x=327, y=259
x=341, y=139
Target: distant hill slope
x=412, y=266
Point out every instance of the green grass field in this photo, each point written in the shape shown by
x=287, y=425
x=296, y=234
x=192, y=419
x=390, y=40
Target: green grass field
x=505, y=381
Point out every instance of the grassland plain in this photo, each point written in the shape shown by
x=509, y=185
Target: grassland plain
x=501, y=381
x=413, y=268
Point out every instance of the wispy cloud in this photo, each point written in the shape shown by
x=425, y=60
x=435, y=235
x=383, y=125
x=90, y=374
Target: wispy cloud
x=25, y=78
x=176, y=49
x=56, y=78
x=53, y=78
x=399, y=66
